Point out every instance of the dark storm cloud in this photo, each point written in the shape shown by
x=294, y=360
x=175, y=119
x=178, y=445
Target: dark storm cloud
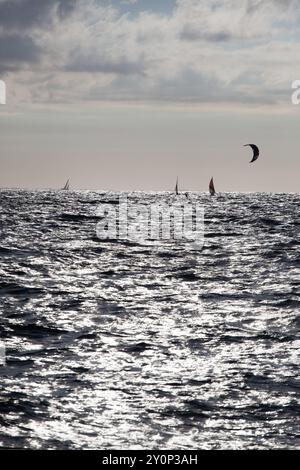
x=17, y=48
x=17, y=20
x=26, y=14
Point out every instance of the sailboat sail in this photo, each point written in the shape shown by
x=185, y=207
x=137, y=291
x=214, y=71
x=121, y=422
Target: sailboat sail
x=212, y=187
x=67, y=186
x=176, y=188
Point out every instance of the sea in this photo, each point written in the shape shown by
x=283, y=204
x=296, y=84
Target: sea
x=119, y=343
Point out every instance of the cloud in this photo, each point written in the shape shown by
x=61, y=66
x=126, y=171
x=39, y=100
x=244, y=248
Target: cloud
x=214, y=20
x=129, y=2
x=253, y=6
x=102, y=65
x=233, y=51
x=17, y=48
x=26, y=14
x=191, y=34
x=20, y=24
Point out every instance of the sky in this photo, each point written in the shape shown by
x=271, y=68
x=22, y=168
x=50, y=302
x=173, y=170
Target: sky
x=130, y=94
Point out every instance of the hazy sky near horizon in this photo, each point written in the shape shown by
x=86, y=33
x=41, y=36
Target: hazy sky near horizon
x=129, y=94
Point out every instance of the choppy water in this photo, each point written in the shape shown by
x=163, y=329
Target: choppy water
x=114, y=344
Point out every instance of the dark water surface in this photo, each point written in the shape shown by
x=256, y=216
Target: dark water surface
x=115, y=344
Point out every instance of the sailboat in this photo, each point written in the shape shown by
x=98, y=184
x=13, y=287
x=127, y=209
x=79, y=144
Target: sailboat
x=66, y=186
x=176, y=188
x=212, y=187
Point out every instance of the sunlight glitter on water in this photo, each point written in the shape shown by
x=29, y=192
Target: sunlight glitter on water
x=120, y=345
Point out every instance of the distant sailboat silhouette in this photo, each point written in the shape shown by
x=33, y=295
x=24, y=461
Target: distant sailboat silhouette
x=176, y=188
x=212, y=187
x=66, y=186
